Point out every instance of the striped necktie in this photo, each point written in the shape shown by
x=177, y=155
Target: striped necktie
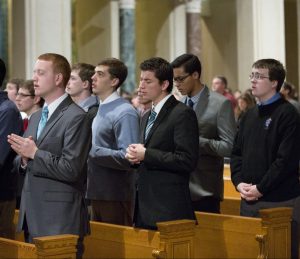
x=150, y=122
x=43, y=121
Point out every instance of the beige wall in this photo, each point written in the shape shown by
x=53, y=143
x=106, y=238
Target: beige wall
x=220, y=42
x=92, y=30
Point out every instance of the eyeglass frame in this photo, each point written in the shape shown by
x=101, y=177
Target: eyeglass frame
x=181, y=79
x=25, y=95
x=257, y=76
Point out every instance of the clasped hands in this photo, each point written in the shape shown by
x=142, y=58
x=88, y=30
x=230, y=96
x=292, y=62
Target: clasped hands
x=135, y=153
x=249, y=191
x=25, y=147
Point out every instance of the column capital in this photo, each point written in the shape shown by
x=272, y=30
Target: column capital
x=197, y=6
x=127, y=4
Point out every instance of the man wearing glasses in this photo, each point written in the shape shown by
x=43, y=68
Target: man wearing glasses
x=217, y=128
x=266, y=152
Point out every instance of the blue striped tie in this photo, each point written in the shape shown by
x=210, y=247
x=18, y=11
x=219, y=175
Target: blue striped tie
x=190, y=103
x=43, y=121
x=150, y=122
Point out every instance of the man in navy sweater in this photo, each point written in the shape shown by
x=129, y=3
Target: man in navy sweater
x=266, y=152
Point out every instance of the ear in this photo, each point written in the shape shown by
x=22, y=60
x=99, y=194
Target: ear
x=195, y=75
x=58, y=79
x=165, y=84
x=274, y=84
x=86, y=84
x=114, y=82
x=36, y=99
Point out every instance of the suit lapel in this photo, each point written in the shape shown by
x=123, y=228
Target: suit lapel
x=202, y=102
x=57, y=114
x=170, y=103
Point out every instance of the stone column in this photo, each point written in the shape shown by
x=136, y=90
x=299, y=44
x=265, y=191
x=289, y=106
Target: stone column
x=194, y=10
x=4, y=31
x=48, y=29
x=127, y=42
x=260, y=31
x=193, y=27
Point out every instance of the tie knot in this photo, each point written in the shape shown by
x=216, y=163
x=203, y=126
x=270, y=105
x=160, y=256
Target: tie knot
x=153, y=113
x=191, y=103
x=45, y=111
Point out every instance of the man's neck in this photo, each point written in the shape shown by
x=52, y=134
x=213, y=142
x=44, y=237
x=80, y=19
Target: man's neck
x=197, y=88
x=32, y=110
x=79, y=98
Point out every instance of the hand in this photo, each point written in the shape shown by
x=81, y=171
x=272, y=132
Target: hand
x=25, y=147
x=135, y=153
x=249, y=192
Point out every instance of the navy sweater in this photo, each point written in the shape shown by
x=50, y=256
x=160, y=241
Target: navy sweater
x=266, y=151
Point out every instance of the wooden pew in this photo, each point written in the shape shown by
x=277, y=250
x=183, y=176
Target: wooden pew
x=227, y=236
x=174, y=239
x=215, y=236
x=229, y=189
x=62, y=246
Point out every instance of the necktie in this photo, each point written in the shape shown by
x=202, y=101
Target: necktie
x=25, y=124
x=150, y=122
x=190, y=103
x=43, y=121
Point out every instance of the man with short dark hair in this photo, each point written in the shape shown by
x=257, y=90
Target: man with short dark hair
x=11, y=122
x=266, y=152
x=217, y=129
x=79, y=88
x=167, y=152
x=110, y=185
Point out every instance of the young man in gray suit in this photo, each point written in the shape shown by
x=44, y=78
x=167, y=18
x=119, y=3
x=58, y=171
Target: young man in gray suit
x=53, y=153
x=217, y=129
x=168, y=150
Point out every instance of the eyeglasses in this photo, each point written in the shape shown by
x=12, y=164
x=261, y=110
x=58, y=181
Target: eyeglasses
x=257, y=76
x=24, y=95
x=180, y=79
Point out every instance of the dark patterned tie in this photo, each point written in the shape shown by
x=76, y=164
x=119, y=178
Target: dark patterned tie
x=43, y=121
x=190, y=103
x=150, y=122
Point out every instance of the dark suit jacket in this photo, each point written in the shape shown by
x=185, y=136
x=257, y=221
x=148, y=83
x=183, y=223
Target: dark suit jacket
x=54, y=186
x=171, y=154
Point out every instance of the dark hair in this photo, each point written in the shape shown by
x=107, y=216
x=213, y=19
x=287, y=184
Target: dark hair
x=276, y=70
x=223, y=79
x=85, y=72
x=29, y=86
x=116, y=68
x=162, y=69
x=2, y=71
x=60, y=65
x=290, y=88
x=16, y=81
x=189, y=62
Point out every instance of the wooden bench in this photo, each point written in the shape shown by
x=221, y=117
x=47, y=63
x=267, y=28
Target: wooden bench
x=62, y=246
x=227, y=236
x=215, y=236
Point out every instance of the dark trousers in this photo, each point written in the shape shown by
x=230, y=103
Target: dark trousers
x=251, y=209
x=7, y=212
x=207, y=204
x=113, y=212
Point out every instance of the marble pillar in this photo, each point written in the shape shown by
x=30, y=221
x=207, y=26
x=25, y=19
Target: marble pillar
x=193, y=27
x=127, y=42
x=4, y=31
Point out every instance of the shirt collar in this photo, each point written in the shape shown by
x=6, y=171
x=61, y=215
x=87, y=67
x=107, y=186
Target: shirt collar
x=273, y=99
x=52, y=106
x=196, y=97
x=158, y=106
x=112, y=97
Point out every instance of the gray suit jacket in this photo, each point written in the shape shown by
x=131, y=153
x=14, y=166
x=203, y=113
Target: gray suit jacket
x=217, y=129
x=54, y=186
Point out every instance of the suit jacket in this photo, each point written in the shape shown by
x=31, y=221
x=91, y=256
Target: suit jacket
x=54, y=186
x=217, y=128
x=171, y=154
